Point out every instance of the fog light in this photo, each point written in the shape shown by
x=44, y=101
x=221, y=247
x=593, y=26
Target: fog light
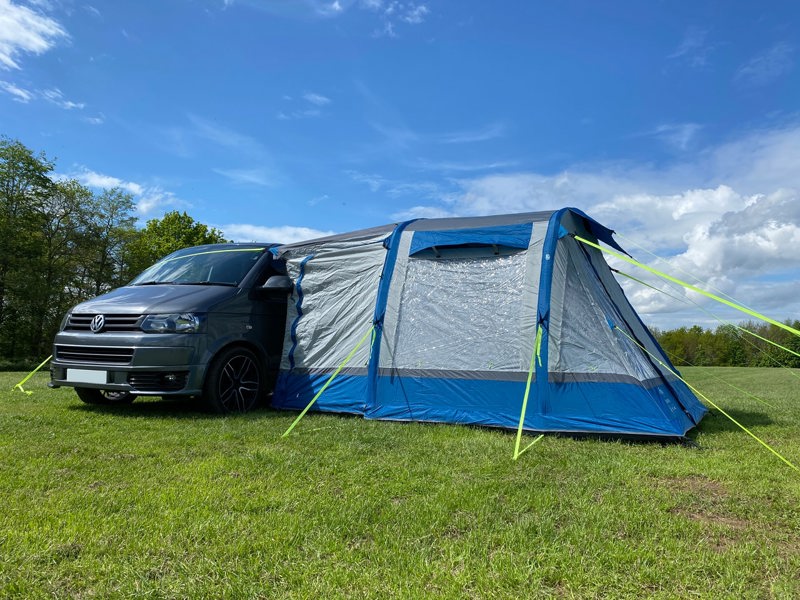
x=170, y=378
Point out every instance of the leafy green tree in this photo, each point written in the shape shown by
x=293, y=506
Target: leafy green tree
x=112, y=228
x=170, y=233
x=49, y=280
x=24, y=184
x=61, y=244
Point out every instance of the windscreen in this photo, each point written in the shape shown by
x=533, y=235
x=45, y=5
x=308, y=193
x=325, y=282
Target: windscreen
x=198, y=266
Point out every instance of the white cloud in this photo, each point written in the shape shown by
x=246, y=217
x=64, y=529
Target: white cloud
x=414, y=13
x=97, y=180
x=385, y=30
x=693, y=49
x=148, y=198
x=298, y=114
x=19, y=94
x=25, y=31
x=372, y=181
x=490, y=132
x=303, y=112
x=768, y=66
x=224, y=136
x=678, y=136
x=285, y=234
x=392, y=12
x=99, y=119
x=454, y=166
x=317, y=99
x=396, y=188
x=400, y=137
x=421, y=212
x=55, y=96
x=257, y=176
x=156, y=198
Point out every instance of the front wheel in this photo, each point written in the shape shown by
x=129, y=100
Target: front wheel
x=107, y=397
x=235, y=381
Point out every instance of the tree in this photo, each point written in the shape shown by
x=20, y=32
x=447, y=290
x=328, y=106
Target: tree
x=50, y=275
x=24, y=185
x=112, y=228
x=166, y=235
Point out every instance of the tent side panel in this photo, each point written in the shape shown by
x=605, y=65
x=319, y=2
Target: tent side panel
x=583, y=344
x=687, y=399
x=329, y=312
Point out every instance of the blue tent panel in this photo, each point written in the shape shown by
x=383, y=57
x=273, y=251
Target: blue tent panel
x=345, y=394
x=613, y=407
x=509, y=236
x=464, y=401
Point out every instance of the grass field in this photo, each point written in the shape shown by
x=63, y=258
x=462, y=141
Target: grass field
x=158, y=500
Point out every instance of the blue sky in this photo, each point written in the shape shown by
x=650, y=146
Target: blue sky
x=675, y=123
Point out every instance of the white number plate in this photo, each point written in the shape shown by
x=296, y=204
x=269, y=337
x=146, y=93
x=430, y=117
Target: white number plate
x=86, y=376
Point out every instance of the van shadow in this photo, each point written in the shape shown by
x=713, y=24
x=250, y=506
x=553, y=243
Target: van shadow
x=172, y=408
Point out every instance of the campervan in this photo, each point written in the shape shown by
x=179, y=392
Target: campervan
x=204, y=322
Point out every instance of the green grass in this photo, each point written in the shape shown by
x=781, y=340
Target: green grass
x=157, y=500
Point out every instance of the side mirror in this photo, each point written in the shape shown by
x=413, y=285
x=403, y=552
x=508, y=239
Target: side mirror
x=279, y=283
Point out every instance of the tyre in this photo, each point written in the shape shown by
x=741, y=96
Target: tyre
x=107, y=397
x=235, y=382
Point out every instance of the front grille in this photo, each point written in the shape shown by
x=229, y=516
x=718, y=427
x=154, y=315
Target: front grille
x=94, y=354
x=155, y=382
x=113, y=323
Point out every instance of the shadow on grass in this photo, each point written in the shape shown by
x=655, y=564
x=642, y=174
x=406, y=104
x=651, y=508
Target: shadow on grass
x=716, y=422
x=172, y=408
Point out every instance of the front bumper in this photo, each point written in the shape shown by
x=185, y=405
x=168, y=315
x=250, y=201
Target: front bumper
x=145, y=365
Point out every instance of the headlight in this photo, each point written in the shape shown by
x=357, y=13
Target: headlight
x=64, y=321
x=176, y=323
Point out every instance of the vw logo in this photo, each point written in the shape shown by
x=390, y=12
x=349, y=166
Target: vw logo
x=97, y=324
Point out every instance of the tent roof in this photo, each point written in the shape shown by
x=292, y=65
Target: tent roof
x=455, y=223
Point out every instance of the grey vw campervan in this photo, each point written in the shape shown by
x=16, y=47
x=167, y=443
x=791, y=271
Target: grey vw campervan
x=206, y=321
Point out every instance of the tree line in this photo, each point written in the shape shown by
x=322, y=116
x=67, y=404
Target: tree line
x=62, y=243
x=730, y=346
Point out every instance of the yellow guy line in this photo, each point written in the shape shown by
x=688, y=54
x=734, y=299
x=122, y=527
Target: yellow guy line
x=330, y=379
x=704, y=397
x=708, y=312
x=534, y=355
x=689, y=286
x=31, y=374
x=214, y=252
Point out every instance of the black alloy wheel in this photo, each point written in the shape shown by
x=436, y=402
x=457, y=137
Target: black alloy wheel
x=235, y=381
